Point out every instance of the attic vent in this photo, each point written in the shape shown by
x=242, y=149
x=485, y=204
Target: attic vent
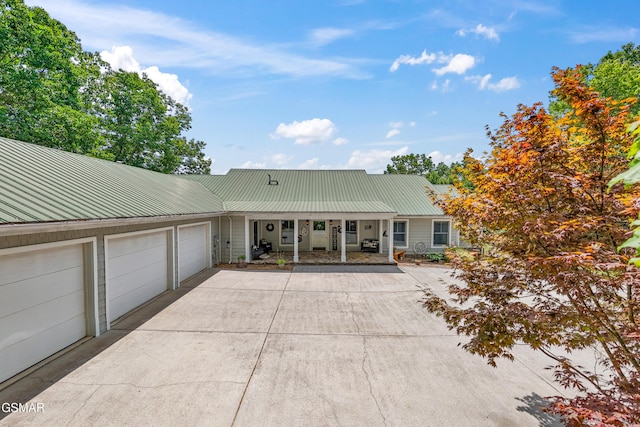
x=272, y=181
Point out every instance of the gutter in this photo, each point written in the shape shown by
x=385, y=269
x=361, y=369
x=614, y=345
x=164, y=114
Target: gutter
x=13, y=229
x=230, y=239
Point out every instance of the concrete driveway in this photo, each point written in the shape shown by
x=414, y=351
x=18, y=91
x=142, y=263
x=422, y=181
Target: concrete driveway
x=324, y=345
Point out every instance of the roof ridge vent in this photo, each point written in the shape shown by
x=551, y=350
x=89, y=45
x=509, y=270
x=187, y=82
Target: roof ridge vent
x=272, y=181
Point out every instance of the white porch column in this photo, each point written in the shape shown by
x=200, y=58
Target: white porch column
x=296, y=233
x=343, y=243
x=390, y=240
x=247, y=240
x=380, y=234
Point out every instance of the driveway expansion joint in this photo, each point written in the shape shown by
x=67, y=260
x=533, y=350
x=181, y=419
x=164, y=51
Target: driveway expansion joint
x=266, y=336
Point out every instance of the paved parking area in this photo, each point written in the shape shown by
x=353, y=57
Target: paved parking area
x=319, y=345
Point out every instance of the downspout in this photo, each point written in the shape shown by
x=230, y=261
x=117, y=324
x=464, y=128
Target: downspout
x=219, y=246
x=230, y=240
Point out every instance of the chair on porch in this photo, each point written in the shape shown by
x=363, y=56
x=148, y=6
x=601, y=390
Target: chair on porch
x=369, y=245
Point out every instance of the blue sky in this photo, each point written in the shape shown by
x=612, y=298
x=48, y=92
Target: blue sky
x=347, y=83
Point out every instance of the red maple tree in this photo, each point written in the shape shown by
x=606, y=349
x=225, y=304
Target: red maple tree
x=551, y=275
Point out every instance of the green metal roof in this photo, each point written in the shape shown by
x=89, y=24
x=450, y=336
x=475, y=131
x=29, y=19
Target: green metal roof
x=443, y=188
x=407, y=194
x=42, y=184
x=248, y=190
x=39, y=184
x=372, y=206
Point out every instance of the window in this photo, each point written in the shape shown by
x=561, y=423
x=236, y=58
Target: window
x=351, y=232
x=286, y=235
x=400, y=233
x=440, y=233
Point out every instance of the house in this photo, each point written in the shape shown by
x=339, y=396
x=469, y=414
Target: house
x=305, y=210
x=84, y=241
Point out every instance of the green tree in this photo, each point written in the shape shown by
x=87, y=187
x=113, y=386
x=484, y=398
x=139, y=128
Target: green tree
x=410, y=164
x=616, y=75
x=552, y=277
x=140, y=125
x=194, y=161
x=423, y=165
x=42, y=72
x=55, y=94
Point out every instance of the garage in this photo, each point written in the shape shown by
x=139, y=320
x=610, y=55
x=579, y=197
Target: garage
x=138, y=267
x=44, y=290
x=193, y=249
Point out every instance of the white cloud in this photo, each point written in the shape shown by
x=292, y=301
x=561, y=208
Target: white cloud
x=309, y=164
x=480, y=30
x=438, y=157
x=313, y=164
x=167, y=41
x=604, y=34
x=410, y=60
x=253, y=165
x=169, y=84
x=121, y=58
x=481, y=81
x=444, y=87
x=458, y=64
x=484, y=83
x=374, y=161
x=392, y=133
x=508, y=83
x=340, y=141
x=307, y=131
x=396, y=126
x=324, y=36
x=280, y=159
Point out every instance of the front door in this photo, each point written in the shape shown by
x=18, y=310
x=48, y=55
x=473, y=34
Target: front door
x=319, y=235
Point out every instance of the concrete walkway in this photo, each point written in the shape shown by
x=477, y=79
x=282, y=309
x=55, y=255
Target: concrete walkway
x=323, y=345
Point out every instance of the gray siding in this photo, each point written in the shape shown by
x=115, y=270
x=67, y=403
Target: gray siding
x=232, y=232
x=421, y=230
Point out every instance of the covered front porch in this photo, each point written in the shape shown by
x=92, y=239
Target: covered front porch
x=321, y=238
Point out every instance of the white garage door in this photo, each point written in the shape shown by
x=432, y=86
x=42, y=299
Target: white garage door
x=136, y=270
x=42, y=304
x=192, y=250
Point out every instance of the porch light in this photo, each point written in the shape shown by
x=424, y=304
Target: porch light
x=330, y=222
x=306, y=222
